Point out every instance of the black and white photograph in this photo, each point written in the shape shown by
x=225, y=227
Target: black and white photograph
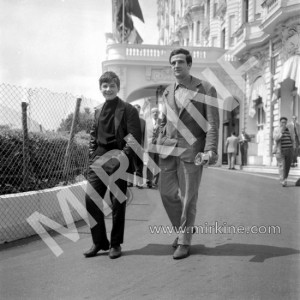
x=149, y=149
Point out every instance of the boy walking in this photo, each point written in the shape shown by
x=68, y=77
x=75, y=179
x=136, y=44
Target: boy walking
x=114, y=120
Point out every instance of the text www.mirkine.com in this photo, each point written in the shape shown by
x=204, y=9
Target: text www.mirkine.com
x=216, y=228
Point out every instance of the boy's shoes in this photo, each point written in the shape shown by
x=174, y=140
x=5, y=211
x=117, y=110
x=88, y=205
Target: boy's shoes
x=139, y=186
x=115, y=252
x=182, y=251
x=129, y=184
x=94, y=250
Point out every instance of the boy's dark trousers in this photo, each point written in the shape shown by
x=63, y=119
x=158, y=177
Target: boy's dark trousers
x=118, y=212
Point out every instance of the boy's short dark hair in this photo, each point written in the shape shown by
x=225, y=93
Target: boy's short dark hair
x=187, y=54
x=108, y=77
x=283, y=118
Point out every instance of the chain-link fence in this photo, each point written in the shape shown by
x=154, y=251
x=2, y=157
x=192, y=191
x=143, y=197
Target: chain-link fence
x=43, y=138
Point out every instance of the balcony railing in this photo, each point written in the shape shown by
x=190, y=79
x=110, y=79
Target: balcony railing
x=157, y=53
x=191, y=4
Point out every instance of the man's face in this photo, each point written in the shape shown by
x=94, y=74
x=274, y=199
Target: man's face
x=283, y=124
x=155, y=115
x=109, y=90
x=179, y=66
x=138, y=108
x=294, y=119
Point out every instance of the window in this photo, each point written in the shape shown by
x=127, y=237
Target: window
x=214, y=41
x=261, y=116
x=215, y=9
x=245, y=11
x=198, y=32
x=208, y=9
x=231, y=29
x=223, y=35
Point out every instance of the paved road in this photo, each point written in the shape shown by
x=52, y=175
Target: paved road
x=221, y=266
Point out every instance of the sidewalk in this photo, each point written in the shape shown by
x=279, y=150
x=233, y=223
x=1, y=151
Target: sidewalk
x=294, y=173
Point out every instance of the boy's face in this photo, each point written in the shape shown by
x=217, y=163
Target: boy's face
x=109, y=90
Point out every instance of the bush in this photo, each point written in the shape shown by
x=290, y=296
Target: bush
x=47, y=158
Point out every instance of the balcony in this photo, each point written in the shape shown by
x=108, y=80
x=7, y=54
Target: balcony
x=276, y=11
x=137, y=54
x=247, y=36
x=194, y=4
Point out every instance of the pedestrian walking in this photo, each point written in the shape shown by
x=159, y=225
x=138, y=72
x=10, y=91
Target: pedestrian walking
x=152, y=134
x=190, y=121
x=295, y=131
x=231, y=149
x=114, y=120
x=139, y=162
x=283, y=149
x=244, y=138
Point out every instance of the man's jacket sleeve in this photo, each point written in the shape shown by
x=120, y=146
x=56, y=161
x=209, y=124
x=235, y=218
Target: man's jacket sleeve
x=133, y=128
x=212, y=115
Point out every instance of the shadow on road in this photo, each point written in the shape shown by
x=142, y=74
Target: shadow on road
x=259, y=253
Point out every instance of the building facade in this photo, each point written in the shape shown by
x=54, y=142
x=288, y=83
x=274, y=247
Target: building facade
x=263, y=39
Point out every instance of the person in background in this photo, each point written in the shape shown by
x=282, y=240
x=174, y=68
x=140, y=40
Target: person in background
x=152, y=134
x=243, y=142
x=294, y=128
x=139, y=163
x=283, y=149
x=231, y=149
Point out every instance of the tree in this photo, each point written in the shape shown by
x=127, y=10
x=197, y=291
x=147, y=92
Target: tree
x=85, y=122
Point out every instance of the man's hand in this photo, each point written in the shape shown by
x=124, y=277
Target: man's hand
x=213, y=157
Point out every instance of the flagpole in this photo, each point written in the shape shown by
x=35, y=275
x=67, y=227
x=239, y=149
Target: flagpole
x=123, y=20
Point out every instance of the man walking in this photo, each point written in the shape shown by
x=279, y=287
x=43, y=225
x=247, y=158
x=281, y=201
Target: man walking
x=294, y=128
x=152, y=133
x=231, y=148
x=190, y=122
x=243, y=141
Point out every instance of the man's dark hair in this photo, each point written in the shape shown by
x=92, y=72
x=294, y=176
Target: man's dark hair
x=108, y=77
x=283, y=118
x=233, y=132
x=187, y=54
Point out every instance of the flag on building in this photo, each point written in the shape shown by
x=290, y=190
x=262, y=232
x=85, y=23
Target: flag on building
x=123, y=27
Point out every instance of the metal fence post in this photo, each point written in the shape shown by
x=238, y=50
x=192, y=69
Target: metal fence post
x=26, y=156
x=70, y=142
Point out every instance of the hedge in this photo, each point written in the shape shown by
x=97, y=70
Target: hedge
x=47, y=155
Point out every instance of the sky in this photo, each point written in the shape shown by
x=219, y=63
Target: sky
x=60, y=44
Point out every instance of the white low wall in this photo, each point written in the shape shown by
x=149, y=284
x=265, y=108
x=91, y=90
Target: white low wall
x=16, y=208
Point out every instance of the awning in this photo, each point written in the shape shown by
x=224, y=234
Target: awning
x=290, y=69
x=258, y=91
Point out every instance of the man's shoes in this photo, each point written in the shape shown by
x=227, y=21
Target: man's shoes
x=182, y=251
x=115, y=252
x=284, y=183
x=175, y=243
x=129, y=184
x=94, y=250
x=233, y=168
x=139, y=186
x=149, y=185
